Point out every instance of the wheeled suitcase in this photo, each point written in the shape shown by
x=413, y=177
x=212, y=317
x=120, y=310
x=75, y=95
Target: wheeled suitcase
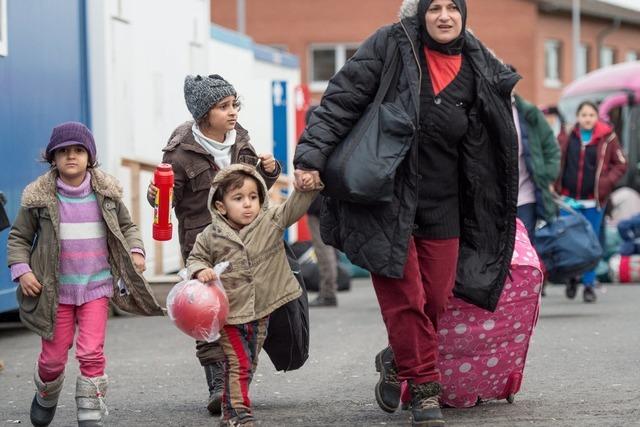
x=483, y=354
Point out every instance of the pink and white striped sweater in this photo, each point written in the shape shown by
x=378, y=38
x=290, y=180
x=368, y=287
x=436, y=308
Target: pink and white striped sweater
x=84, y=270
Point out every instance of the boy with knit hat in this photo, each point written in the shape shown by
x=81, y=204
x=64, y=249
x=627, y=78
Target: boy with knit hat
x=197, y=150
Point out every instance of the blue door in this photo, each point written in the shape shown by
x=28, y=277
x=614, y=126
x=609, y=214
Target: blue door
x=43, y=82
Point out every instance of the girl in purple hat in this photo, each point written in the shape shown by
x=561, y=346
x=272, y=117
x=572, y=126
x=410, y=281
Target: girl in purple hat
x=73, y=247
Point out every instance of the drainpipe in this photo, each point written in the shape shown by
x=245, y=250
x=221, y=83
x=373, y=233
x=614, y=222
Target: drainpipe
x=615, y=25
x=575, y=15
x=241, y=12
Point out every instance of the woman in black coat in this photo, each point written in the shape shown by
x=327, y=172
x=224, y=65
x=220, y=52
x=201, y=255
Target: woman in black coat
x=452, y=217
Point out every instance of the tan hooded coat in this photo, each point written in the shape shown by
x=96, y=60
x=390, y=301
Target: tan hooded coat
x=258, y=279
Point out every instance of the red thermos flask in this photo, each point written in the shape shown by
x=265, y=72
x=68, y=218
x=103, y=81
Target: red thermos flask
x=163, y=179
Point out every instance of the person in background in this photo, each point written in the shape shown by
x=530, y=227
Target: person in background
x=326, y=255
x=592, y=162
x=538, y=165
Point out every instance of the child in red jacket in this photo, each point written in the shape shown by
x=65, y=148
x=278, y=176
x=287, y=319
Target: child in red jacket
x=592, y=163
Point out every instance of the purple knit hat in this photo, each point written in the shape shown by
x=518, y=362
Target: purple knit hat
x=71, y=133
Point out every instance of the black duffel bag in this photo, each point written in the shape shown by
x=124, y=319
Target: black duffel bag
x=287, y=342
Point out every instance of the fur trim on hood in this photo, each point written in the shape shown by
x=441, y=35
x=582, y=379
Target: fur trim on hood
x=408, y=9
x=42, y=191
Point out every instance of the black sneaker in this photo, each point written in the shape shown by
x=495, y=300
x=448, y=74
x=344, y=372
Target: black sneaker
x=589, y=295
x=571, y=289
x=215, y=382
x=425, y=405
x=388, y=387
x=324, y=302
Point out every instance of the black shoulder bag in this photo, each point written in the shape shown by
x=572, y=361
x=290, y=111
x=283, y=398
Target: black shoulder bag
x=362, y=168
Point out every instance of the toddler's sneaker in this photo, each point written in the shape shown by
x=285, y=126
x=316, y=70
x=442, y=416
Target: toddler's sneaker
x=244, y=419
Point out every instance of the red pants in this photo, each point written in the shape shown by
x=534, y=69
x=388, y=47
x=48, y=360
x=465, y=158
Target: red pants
x=91, y=321
x=411, y=306
x=241, y=345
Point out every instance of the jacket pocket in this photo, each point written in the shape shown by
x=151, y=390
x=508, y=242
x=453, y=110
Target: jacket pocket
x=200, y=176
x=26, y=303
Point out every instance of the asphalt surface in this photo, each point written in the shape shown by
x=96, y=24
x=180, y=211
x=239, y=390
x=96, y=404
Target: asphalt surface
x=583, y=369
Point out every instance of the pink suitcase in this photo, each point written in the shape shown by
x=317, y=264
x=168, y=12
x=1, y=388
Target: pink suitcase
x=482, y=354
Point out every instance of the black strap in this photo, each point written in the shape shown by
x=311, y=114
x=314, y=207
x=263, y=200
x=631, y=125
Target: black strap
x=387, y=78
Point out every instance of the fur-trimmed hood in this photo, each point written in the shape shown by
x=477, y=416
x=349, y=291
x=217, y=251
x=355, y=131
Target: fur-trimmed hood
x=408, y=9
x=42, y=191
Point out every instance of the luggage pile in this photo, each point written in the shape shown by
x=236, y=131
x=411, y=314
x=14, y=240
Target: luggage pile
x=625, y=266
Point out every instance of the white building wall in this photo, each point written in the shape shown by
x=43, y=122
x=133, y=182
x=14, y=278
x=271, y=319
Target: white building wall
x=139, y=53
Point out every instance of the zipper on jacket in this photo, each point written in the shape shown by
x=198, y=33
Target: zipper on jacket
x=415, y=56
x=417, y=131
x=580, y=171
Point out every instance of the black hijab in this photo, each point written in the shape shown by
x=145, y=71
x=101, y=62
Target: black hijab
x=454, y=47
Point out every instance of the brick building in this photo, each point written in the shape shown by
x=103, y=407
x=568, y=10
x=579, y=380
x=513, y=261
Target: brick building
x=533, y=35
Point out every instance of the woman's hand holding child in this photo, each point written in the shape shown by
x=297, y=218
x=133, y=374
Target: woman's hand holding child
x=30, y=285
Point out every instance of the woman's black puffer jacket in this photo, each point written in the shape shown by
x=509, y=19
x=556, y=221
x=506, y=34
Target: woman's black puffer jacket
x=376, y=237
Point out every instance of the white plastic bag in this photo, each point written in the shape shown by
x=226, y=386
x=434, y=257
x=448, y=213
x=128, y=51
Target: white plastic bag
x=197, y=309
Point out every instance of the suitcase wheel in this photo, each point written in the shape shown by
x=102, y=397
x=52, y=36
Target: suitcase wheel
x=511, y=398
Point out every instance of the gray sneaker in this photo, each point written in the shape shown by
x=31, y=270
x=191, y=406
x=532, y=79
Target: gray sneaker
x=425, y=405
x=388, y=387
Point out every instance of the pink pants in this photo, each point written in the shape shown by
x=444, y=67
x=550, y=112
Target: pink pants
x=411, y=306
x=91, y=319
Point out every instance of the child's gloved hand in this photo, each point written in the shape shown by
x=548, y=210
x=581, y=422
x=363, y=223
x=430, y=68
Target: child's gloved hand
x=139, y=262
x=30, y=285
x=206, y=275
x=267, y=162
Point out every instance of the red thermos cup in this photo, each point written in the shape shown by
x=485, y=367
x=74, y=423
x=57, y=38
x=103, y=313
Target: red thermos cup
x=163, y=179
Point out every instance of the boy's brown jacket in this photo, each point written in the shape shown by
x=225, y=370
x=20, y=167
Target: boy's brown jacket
x=258, y=279
x=34, y=240
x=194, y=169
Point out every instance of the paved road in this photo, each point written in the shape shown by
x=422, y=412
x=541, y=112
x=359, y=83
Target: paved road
x=583, y=370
